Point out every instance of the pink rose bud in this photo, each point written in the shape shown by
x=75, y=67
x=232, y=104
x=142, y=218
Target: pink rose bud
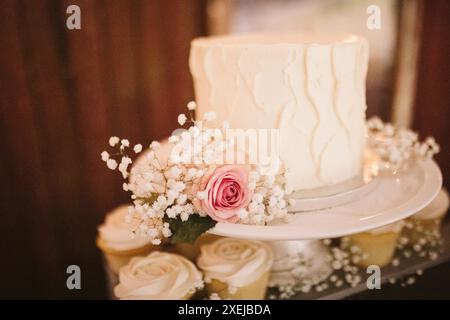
x=226, y=190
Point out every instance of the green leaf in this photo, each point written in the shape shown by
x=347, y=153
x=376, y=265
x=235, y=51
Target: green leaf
x=188, y=231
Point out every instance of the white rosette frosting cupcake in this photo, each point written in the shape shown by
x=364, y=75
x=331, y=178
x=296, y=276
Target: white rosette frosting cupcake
x=426, y=223
x=436, y=210
x=378, y=245
x=116, y=241
x=158, y=276
x=236, y=269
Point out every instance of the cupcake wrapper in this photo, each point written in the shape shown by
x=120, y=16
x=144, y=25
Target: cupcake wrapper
x=192, y=251
x=380, y=248
x=253, y=291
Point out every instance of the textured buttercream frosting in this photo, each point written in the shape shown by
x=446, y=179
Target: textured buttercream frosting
x=310, y=88
x=235, y=262
x=115, y=232
x=159, y=276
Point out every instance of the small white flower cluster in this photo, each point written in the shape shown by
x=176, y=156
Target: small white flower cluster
x=125, y=161
x=199, y=149
x=269, y=200
x=396, y=146
x=198, y=285
x=427, y=242
x=214, y=296
x=168, y=188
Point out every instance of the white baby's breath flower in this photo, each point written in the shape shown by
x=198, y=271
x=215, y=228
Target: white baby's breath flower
x=111, y=164
x=191, y=173
x=182, y=119
x=175, y=158
x=143, y=228
x=182, y=198
x=191, y=105
x=150, y=156
x=281, y=204
x=269, y=181
x=277, y=190
x=123, y=166
x=273, y=201
x=184, y=216
x=155, y=145
x=214, y=296
x=105, y=156
x=253, y=207
x=156, y=242
x=125, y=143
x=166, y=232
x=257, y=197
x=113, y=141
x=170, y=212
x=173, y=139
x=375, y=123
x=137, y=148
x=242, y=214
x=175, y=172
x=200, y=173
x=172, y=194
x=186, y=138
x=257, y=219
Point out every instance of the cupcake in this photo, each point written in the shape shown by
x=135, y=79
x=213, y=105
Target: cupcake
x=426, y=223
x=116, y=242
x=236, y=269
x=192, y=250
x=158, y=276
x=378, y=245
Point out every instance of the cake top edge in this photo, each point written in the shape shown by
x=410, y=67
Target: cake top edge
x=276, y=39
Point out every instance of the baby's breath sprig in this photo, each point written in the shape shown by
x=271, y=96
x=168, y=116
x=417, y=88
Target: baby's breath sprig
x=165, y=184
x=396, y=147
x=112, y=160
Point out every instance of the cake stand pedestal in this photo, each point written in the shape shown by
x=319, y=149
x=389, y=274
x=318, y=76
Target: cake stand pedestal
x=299, y=261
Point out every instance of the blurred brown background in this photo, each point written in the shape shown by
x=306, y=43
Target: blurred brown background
x=63, y=93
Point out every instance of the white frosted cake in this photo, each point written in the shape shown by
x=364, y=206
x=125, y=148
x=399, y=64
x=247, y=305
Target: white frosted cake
x=310, y=88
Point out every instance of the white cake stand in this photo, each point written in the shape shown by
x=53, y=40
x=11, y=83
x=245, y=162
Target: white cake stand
x=392, y=198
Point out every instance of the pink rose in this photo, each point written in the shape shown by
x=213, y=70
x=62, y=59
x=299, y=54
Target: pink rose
x=226, y=191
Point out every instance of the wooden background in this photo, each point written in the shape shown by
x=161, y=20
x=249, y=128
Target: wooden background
x=64, y=93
